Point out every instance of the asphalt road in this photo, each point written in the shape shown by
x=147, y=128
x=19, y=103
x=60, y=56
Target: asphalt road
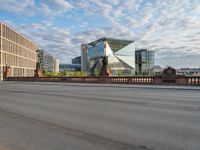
x=48, y=116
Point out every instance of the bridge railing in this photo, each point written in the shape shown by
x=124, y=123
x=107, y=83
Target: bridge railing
x=193, y=80
x=188, y=80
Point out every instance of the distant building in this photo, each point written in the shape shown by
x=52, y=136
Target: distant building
x=188, y=71
x=69, y=67
x=56, y=65
x=144, y=61
x=120, y=54
x=46, y=60
x=158, y=70
x=16, y=51
x=76, y=60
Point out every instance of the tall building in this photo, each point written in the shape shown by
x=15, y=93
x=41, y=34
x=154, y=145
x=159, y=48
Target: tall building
x=76, y=60
x=144, y=61
x=45, y=60
x=120, y=55
x=84, y=58
x=16, y=51
x=56, y=65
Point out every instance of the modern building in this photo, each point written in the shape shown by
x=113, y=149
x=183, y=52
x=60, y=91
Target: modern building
x=56, y=65
x=45, y=60
x=69, y=67
x=16, y=51
x=144, y=61
x=119, y=53
x=76, y=60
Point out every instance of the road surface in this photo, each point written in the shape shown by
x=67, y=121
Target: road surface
x=48, y=116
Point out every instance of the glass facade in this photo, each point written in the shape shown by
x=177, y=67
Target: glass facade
x=69, y=67
x=120, y=54
x=45, y=60
x=144, y=61
x=76, y=60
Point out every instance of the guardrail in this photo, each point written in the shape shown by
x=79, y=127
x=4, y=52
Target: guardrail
x=175, y=80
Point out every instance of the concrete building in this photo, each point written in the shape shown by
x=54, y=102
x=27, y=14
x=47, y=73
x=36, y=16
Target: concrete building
x=16, y=51
x=76, y=60
x=56, y=65
x=144, y=61
x=120, y=55
x=46, y=60
x=84, y=58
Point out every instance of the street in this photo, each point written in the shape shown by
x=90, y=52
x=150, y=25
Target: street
x=48, y=116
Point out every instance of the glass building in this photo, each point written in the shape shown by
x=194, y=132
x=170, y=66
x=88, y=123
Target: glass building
x=144, y=61
x=45, y=60
x=76, y=60
x=120, y=55
x=69, y=67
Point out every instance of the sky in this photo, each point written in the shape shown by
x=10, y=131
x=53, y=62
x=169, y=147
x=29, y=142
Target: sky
x=169, y=27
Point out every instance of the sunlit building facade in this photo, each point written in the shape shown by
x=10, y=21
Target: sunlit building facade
x=16, y=51
x=120, y=55
x=56, y=65
x=144, y=61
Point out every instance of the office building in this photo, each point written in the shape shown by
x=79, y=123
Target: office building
x=120, y=56
x=144, y=61
x=45, y=60
x=16, y=51
x=76, y=60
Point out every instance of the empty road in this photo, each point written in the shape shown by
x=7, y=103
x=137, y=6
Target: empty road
x=57, y=116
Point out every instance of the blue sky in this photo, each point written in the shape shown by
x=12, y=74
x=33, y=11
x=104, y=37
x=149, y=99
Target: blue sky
x=169, y=27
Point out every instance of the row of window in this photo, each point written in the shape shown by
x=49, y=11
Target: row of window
x=8, y=33
x=17, y=50
x=9, y=59
x=19, y=72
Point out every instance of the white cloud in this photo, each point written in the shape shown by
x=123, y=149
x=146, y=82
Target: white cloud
x=31, y=8
x=16, y=6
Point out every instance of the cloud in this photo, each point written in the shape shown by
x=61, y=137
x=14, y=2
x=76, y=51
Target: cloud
x=31, y=8
x=16, y=6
